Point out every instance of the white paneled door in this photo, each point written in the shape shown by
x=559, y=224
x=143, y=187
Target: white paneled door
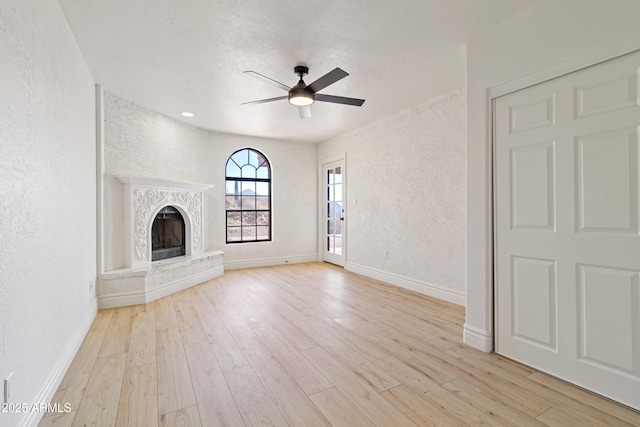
x=333, y=212
x=567, y=227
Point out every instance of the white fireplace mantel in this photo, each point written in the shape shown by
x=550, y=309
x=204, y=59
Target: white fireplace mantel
x=144, y=197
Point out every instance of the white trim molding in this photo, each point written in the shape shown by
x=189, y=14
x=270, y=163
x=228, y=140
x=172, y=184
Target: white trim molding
x=421, y=287
x=268, y=262
x=477, y=338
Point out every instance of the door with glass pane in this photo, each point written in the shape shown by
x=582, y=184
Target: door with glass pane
x=333, y=212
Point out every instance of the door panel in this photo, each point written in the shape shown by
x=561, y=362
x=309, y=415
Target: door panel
x=333, y=212
x=567, y=244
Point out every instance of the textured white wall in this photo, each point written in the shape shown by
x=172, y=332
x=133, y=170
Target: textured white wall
x=141, y=142
x=407, y=173
x=548, y=34
x=47, y=196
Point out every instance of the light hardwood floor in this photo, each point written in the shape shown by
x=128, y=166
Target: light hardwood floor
x=306, y=345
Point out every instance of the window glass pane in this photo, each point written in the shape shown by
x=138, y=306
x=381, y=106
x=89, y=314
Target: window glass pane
x=241, y=157
x=329, y=226
x=248, y=218
x=248, y=188
x=233, y=234
x=248, y=171
x=233, y=219
x=248, y=203
x=262, y=188
x=263, y=172
x=233, y=170
x=248, y=233
x=262, y=160
x=232, y=202
x=330, y=244
x=233, y=187
x=262, y=202
x=253, y=159
x=338, y=176
x=330, y=176
x=263, y=218
x=338, y=193
x=338, y=245
x=330, y=194
x=263, y=232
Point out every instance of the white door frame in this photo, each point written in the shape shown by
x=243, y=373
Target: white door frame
x=494, y=205
x=478, y=328
x=322, y=202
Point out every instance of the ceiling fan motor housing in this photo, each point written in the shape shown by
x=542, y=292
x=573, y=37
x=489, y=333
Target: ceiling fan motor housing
x=299, y=94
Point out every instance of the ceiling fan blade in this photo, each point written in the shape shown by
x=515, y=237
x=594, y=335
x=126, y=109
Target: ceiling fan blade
x=262, y=101
x=339, y=99
x=268, y=80
x=305, y=112
x=328, y=79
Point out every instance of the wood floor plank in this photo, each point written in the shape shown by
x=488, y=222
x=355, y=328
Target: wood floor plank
x=360, y=365
x=489, y=404
x=175, y=388
x=225, y=347
x=339, y=410
x=102, y=320
x=216, y=405
x=255, y=405
x=99, y=405
x=421, y=411
x=292, y=402
x=64, y=419
x=592, y=408
x=414, y=356
x=186, y=417
x=491, y=362
x=190, y=326
x=142, y=346
x=330, y=338
x=363, y=396
x=138, y=399
x=445, y=401
x=301, y=370
x=556, y=417
x=298, y=337
x=165, y=314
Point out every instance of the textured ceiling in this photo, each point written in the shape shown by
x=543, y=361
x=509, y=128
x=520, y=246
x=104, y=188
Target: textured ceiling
x=188, y=55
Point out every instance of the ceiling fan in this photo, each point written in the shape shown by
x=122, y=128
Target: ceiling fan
x=303, y=95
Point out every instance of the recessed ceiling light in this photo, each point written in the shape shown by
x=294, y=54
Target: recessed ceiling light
x=187, y=114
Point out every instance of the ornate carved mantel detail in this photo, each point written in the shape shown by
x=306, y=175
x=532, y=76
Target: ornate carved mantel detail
x=144, y=197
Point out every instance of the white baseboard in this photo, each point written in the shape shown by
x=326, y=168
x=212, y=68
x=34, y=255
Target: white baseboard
x=477, y=338
x=142, y=297
x=52, y=382
x=424, y=288
x=267, y=262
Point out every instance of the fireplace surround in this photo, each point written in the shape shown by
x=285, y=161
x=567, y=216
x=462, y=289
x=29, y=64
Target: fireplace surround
x=142, y=279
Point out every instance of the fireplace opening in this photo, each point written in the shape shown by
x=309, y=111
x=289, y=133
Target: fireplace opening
x=167, y=234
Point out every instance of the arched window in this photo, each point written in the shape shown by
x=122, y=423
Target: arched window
x=248, y=197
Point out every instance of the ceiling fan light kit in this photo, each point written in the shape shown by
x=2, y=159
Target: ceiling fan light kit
x=303, y=95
